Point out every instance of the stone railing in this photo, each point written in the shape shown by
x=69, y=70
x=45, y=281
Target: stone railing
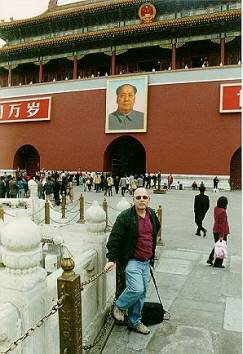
x=27, y=292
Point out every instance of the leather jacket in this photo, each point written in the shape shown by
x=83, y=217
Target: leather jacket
x=122, y=241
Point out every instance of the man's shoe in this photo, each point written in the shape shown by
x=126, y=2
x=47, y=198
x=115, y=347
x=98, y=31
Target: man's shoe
x=209, y=262
x=118, y=314
x=140, y=328
x=197, y=234
x=204, y=233
x=219, y=266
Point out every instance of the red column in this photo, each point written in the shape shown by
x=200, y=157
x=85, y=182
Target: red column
x=113, y=63
x=75, y=67
x=10, y=75
x=173, y=58
x=222, y=50
x=40, y=71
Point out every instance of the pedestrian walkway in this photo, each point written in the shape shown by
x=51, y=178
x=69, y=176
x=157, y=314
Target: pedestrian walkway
x=204, y=302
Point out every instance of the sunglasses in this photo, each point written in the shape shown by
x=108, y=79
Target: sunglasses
x=138, y=197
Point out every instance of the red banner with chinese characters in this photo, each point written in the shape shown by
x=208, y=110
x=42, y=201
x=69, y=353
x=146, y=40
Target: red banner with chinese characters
x=230, y=98
x=25, y=110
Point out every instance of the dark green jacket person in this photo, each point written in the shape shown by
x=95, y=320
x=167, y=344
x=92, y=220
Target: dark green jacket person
x=123, y=237
x=13, y=188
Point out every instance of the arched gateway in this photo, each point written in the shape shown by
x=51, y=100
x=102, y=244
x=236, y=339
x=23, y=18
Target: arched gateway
x=125, y=156
x=27, y=158
x=235, y=170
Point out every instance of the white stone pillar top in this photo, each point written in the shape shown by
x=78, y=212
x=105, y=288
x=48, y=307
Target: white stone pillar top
x=21, y=233
x=32, y=187
x=95, y=218
x=21, y=243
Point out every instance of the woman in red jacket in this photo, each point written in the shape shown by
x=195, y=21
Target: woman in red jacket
x=220, y=228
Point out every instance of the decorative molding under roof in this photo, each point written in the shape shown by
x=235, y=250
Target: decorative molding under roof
x=69, y=11
x=114, y=33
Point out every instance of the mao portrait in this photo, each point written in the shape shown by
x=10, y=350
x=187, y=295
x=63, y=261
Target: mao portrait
x=126, y=105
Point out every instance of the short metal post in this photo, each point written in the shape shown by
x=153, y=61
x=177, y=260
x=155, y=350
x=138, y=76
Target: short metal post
x=47, y=212
x=81, y=209
x=70, y=323
x=63, y=205
x=160, y=213
x=105, y=207
x=2, y=213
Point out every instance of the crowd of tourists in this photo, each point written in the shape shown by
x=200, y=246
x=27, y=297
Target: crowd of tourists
x=53, y=184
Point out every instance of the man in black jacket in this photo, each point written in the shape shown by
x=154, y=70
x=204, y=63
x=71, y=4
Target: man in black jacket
x=201, y=206
x=132, y=243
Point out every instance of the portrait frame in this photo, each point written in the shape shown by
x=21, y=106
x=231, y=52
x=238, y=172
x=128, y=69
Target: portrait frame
x=140, y=105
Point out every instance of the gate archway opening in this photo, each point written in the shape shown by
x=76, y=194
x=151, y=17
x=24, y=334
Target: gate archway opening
x=125, y=156
x=27, y=158
x=235, y=170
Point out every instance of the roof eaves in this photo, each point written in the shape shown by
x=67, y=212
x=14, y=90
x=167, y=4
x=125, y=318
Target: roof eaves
x=128, y=30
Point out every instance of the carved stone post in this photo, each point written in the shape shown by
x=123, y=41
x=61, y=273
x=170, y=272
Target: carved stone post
x=81, y=209
x=70, y=323
x=35, y=202
x=95, y=225
x=105, y=207
x=23, y=281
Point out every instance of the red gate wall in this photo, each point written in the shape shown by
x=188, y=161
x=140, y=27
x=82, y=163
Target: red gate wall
x=186, y=133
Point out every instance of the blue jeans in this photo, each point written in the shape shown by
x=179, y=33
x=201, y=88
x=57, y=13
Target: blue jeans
x=21, y=193
x=133, y=297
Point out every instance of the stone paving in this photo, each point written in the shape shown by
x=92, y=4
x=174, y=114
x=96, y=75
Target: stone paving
x=205, y=302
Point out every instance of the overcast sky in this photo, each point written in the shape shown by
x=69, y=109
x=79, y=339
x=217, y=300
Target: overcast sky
x=25, y=8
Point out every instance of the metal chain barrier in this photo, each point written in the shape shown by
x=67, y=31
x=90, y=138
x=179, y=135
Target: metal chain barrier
x=13, y=216
x=31, y=330
x=69, y=222
x=72, y=211
x=108, y=319
x=56, y=210
x=75, y=204
x=92, y=279
x=36, y=212
x=107, y=324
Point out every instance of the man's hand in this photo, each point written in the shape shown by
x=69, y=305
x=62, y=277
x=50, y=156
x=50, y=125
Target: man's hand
x=109, y=266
